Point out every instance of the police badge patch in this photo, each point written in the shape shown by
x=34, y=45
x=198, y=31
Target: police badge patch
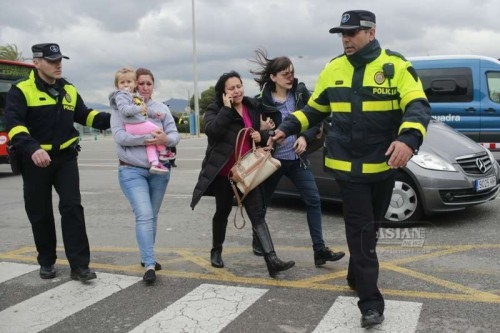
x=67, y=97
x=379, y=77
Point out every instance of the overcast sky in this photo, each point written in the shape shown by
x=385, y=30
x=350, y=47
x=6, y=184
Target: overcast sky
x=101, y=36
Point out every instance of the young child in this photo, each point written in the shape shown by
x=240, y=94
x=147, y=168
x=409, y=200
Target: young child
x=134, y=114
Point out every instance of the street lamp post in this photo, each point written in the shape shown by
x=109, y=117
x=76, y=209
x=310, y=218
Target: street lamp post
x=195, y=74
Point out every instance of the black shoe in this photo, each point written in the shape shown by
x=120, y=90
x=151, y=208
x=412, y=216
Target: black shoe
x=157, y=266
x=216, y=258
x=173, y=165
x=83, y=274
x=149, y=276
x=325, y=254
x=370, y=318
x=47, y=272
x=351, y=283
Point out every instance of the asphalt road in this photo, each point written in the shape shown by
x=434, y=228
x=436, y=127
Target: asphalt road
x=448, y=266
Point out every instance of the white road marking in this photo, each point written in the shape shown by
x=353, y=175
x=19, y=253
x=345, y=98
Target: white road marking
x=344, y=317
x=48, y=308
x=10, y=270
x=208, y=309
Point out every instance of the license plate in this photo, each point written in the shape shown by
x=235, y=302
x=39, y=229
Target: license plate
x=485, y=183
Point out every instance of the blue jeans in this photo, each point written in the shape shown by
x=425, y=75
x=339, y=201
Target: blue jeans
x=303, y=179
x=145, y=192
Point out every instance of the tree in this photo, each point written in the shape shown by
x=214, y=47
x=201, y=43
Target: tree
x=10, y=52
x=207, y=97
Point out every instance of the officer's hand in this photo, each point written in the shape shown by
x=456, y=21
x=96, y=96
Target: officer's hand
x=278, y=137
x=41, y=158
x=399, y=153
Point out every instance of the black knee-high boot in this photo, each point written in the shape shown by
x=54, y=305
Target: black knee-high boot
x=256, y=247
x=218, y=237
x=274, y=264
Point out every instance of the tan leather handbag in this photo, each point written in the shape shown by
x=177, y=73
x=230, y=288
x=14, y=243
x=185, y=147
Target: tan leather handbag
x=251, y=169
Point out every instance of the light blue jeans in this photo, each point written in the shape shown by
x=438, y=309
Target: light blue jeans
x=145, y=192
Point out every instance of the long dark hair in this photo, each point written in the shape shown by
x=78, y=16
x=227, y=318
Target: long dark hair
x=221, y=85
x=268, y=66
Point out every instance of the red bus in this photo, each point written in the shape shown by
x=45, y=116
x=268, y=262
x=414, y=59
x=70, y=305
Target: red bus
x=10, y=73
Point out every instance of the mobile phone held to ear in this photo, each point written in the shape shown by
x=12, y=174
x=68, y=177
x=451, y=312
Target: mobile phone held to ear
x=229, y=98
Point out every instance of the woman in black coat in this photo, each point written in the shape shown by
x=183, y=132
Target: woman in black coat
x=224, y=118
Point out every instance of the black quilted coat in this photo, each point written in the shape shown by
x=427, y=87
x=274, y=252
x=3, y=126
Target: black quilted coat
x=222, y=125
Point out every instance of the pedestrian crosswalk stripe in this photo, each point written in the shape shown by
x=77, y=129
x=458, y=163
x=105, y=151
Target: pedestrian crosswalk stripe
x=344, y=317
x=208, y=309
x=52, y=306
x=10, y=270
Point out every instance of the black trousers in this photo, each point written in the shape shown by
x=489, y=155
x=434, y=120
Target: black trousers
x=364, y=207
x=253, y=203
x=63, y=175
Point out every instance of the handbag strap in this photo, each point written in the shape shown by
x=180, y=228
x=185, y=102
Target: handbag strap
x=240, y=206
x=242, y=135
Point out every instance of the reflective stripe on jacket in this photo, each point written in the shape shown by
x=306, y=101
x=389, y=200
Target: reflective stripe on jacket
x=43, y=116
x=369, y=110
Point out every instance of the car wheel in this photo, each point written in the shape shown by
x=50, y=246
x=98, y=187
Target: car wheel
x=405, y=202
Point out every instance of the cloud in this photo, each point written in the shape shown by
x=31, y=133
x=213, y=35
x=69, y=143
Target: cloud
x=101, y=36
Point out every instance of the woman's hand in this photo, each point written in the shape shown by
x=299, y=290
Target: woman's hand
x=300, y=145
x=227, y=99
x=256, y=136
x=159, y=138
x=267, y=124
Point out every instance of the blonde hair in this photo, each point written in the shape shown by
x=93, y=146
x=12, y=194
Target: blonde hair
x=123, y=72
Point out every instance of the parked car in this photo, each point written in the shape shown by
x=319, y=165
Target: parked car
x=450, y=172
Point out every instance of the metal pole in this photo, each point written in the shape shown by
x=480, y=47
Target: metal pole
x=195, y=73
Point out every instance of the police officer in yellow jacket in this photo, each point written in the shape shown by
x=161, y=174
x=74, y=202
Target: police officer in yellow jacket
x=379, y=118
x=40, y=112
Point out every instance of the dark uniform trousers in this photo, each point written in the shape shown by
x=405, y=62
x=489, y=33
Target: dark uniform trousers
x=364, y=207
x=63, y=175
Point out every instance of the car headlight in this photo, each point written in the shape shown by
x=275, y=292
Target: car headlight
x=490, y=155
x=432, y=162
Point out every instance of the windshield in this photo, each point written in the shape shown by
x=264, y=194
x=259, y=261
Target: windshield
x=4, y=87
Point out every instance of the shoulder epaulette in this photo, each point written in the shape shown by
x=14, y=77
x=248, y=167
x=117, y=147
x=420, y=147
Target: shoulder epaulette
x=340, y=55
x=394, y=53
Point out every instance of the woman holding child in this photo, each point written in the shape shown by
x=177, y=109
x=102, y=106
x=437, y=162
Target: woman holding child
x=144, y=189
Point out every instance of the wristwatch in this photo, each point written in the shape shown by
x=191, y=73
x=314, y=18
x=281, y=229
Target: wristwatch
x=271, y=132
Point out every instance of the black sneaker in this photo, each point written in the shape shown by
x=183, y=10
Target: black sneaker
x=157, y=266
x=83, y=274
x=47, y=272
x=149, y=276
x=370, y=318
x=325, y=254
